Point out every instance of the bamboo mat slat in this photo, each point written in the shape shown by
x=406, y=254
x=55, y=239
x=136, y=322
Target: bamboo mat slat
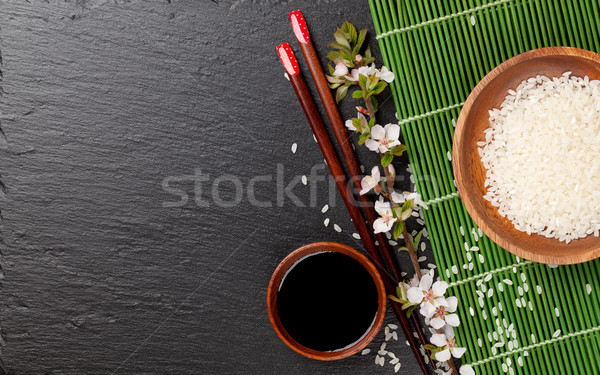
x=533, y=318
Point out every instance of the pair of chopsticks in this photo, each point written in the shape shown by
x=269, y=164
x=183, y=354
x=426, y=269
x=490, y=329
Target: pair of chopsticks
x=290, y=63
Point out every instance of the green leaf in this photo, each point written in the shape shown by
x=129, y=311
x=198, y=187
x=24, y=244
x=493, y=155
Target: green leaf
x=408, y=205
x=410, y=238
x=334, y=85
x=368, y=52
x=387, y=159
x=407, y=210
x=364, y=125
x=368, y=60
x=394, y=298
x=399, y=150
x=340, y=48
x=341, y=39
x=341, y=93
x=331, y=68
x=357, y=94
x=359, y=41
x=371, y=122
x=403, y=248
x=409, y=310
x=333, y=79
x=335, y=57
x=363, y=138
x=430, y=347
x=349, y=29
x=373, y=83
x=362, y=81
x=347, y=59
x=379, y=87
x=375, y=104
x=417, y=239
x=398, y=228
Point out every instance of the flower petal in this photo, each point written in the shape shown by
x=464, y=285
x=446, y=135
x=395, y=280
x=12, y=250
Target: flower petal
x=425, y=282
x=372, y=145
x=392, y=131
x=439, y=288
x=353, y=75
x=439, y=340
x=375, y=173
x=427, y=309
x=340, y=69
x=453, y=320
x=452, y=304
x=350, y=125
x=458, y=352
x=398, y=198
x=386, y=75
x=392, y=170
x=439, y=301
x=449, y=332
x=437, y=323
x=466, y=370
x=377, y=132
x=443, y=356
x=383, y=149
x=414, y=294
x=380, y=225
x=382, y=208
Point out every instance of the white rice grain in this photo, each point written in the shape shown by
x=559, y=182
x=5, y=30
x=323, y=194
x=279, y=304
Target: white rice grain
x=546, y=132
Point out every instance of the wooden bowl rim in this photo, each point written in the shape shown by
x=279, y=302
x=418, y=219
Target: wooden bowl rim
x=457, y=159
x=300, y=253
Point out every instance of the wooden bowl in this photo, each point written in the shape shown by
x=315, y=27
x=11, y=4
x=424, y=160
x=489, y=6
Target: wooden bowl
x=289, y=261
x=469, y=171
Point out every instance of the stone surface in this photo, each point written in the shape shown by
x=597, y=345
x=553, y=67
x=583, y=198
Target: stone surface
x=132, y=129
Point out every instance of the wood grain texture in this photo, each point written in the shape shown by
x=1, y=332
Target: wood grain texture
x=103, y=101
x=468, y=168
x=343, y=142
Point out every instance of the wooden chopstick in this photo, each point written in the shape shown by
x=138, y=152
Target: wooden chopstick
x=308, y=105
x=312, y=60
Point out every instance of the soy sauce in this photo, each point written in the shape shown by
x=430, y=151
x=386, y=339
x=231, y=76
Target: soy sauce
x=327, y=301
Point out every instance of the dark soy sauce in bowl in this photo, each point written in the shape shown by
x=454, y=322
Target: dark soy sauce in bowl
x=327, y=301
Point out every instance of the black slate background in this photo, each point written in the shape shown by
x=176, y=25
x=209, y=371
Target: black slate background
x=109, y=109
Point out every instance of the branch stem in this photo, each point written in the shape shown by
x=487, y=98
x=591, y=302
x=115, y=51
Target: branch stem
x=409, y=245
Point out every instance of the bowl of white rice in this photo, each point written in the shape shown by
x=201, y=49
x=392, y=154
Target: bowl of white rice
x=526, y=155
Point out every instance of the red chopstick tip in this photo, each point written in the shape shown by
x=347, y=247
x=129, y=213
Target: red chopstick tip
x=299, y=26
x=288, y=59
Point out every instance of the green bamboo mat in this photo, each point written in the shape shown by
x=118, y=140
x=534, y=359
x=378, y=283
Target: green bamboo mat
x=516, y=316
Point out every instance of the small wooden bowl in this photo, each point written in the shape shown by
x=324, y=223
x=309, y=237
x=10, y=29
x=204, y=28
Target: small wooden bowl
x=285, y=265
x=469, y=171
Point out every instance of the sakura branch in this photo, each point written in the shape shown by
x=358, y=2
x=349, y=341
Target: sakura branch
x=355, y=68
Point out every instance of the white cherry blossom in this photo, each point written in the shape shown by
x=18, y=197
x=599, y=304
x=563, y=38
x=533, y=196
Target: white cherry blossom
x=401, y=198
x=428, y=294
x=385, y=74
x=340, y=70
x=386, y=220
x=383, y=138
x=369, y=182
x=445, y=314
x=447, y=341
